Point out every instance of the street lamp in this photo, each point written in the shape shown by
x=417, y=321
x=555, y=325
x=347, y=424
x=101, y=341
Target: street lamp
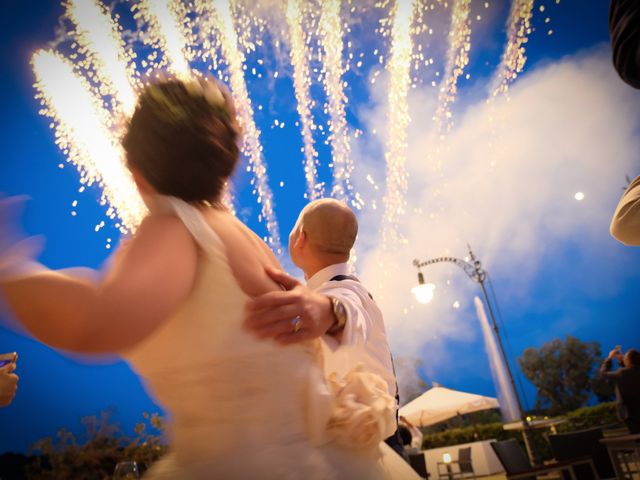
x=473, y=268
x=423, y=291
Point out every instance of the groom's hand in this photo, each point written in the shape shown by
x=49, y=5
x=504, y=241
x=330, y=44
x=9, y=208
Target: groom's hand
x=275, y=314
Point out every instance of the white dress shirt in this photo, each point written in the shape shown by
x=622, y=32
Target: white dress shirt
x=364, y=338
x=625, y=225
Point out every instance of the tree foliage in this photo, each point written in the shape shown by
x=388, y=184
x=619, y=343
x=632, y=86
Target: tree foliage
x=562, y=372
x=96, y=458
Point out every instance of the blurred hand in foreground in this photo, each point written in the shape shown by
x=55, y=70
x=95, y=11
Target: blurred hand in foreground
x=8, y=379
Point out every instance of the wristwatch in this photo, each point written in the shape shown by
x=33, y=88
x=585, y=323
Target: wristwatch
x=340, y=314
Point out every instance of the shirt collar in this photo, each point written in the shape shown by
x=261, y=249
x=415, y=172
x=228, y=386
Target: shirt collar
x=327, y=274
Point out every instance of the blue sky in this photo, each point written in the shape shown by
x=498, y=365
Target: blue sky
x=554, y=267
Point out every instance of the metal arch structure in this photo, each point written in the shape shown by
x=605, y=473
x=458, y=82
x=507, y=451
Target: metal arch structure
x=473, y=269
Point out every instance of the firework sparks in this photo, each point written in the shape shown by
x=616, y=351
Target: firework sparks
x=83, y=132
x=457, y=60
x=221, y=18
x=511, y=64
x=165, y=33
x=514, y=58
x=331, y=39
x=301, y=79
x=396, y=150
x=222, y=33
x=99, y=34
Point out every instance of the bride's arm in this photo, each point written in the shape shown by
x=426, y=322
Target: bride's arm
x=140, y=291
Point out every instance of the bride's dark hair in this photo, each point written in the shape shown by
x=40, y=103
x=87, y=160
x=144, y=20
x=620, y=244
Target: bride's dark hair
x=184, y=137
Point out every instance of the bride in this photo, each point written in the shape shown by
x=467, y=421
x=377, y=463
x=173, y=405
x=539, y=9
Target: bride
x=171, y=303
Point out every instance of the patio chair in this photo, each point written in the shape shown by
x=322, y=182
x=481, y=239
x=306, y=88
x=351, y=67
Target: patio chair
x=464, y=466
x=583, y=443
x=516, y=463
x=614, y=430
x=624, y=452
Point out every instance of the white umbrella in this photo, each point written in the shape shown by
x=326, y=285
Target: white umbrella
x=439, y=403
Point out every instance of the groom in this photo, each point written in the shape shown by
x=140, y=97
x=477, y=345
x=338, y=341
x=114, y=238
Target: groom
x=333, y=305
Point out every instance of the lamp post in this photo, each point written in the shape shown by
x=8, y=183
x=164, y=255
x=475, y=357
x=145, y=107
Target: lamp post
x=473, y=268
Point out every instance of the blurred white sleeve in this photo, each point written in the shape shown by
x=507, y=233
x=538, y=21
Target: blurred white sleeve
x=625, y=225
x=363, y=340
x=416, y=437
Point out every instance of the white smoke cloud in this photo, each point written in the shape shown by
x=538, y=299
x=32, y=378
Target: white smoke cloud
x=568, y=126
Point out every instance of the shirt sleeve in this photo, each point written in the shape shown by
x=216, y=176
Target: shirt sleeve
x=624, y=27
x=416, y=437
x=625, y=225
x=357, y=328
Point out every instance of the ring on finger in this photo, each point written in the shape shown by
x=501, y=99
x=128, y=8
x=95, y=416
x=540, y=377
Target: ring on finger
x=296, y=323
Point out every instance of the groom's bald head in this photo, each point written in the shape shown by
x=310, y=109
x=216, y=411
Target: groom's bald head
x=328, y=227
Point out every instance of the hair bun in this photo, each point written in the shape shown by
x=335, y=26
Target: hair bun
x=183, y=137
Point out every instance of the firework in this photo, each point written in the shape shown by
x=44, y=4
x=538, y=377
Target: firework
x=514, y=58
x=457, y=60
x=396, y=150
x=221, y=19
x=99, y=35
x=162, y=18
x=83, y=132
x=331, y=40
x=301, y=81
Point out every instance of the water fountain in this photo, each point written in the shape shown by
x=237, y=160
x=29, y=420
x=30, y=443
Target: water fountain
x=506, y=396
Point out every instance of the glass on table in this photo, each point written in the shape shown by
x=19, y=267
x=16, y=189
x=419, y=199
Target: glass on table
x=126, y=471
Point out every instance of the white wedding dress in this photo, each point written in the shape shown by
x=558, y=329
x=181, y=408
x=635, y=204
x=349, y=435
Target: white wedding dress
x=243, y=408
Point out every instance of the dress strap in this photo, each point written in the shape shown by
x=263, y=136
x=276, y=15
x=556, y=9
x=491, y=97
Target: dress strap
x=202, y=233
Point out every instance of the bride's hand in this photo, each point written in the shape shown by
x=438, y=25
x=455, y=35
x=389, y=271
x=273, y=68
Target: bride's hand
x=294, y=315
x=17, y=252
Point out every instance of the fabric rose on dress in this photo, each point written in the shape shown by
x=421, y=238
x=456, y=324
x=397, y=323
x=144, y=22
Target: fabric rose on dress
x=364, y=412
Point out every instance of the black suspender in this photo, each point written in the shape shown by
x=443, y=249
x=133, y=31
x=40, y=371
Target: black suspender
x=339, y=278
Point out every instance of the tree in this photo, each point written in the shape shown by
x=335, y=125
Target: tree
x=562, y=371
x=104, y=447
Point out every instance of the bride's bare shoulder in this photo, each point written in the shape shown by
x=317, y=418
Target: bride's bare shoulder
x=162, y=227
x=247, y=254
x=253, y=240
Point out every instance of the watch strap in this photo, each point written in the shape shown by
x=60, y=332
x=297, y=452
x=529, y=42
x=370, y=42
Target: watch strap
x=340, y=314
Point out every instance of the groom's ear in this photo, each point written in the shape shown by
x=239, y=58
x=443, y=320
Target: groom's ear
x=301, y=241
